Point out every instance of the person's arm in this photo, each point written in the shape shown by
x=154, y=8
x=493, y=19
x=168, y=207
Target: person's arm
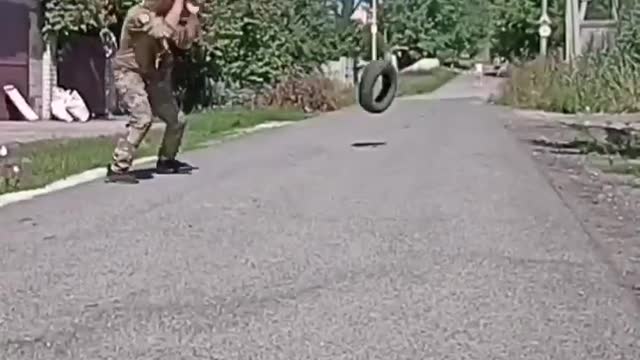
x=173, y=16
x=158, y=27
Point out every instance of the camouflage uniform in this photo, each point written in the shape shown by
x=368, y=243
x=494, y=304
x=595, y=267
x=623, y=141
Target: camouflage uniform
x=142, y=71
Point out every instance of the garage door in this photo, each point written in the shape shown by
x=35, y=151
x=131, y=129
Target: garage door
x=14, y=53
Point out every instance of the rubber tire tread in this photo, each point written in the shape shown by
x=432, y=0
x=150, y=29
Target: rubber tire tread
x=366, y=96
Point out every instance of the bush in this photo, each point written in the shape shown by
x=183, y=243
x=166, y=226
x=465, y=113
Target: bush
x=309, y=94
x=250, y=44
x=598, y=82
x=628, y=39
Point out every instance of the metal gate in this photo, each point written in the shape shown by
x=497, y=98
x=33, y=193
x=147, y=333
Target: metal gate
x=14, y=53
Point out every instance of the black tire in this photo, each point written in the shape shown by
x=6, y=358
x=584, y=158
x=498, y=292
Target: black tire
x=368, y=100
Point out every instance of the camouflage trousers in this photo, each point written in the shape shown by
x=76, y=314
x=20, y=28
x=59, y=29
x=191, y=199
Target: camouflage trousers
x=144, y=101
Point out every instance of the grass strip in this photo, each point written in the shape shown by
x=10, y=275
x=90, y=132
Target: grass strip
x=45, y=161
x=424, y=82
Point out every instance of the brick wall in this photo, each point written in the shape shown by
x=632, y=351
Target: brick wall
x=49, y=77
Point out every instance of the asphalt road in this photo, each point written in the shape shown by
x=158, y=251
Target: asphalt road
x=445, y=243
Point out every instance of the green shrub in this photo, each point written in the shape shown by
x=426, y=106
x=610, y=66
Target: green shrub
x=514, y=27
x=308, y=94
x=251, y=44
x=598, y=82
x=628, y=39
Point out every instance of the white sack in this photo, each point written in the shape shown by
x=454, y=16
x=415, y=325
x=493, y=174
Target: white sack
x=59, y=98
x=77, y=107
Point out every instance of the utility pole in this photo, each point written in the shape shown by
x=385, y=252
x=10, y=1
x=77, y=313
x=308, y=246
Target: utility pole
x=374, y=30
x=572, y=30
x=544, y=30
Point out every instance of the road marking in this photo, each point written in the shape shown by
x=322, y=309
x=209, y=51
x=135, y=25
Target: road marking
x=94, y=174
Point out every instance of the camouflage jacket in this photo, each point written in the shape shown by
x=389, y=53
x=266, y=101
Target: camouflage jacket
x=146, y=38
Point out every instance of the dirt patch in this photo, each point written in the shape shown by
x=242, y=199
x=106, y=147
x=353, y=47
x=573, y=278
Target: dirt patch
x=602, y=191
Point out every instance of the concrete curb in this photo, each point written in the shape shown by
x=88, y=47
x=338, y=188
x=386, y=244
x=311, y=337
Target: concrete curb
x=94, y=174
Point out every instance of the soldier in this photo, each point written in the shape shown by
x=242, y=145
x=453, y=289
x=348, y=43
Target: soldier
x=142, y=71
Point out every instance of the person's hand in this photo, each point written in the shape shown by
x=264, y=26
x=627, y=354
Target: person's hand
x=191, y=8
x=173, y=16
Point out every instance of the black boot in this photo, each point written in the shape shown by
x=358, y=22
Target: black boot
x=173, y=166
x=125, y=177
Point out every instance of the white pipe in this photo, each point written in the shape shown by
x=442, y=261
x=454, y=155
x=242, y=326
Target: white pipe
x=18, y=100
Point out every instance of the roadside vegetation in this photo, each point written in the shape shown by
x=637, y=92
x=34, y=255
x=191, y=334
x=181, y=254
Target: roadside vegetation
x=262, y=57
x=424, y=82
x=598, y=82
x=595, y=83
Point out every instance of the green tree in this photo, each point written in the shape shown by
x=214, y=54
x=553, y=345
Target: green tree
x=441, y=28
x=246, y=43
x=252, y=43
x=514, y=26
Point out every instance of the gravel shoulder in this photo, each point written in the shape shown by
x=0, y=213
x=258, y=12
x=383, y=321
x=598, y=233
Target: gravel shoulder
x=606, y=203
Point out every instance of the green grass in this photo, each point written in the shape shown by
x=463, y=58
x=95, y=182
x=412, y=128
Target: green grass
x=423, y=82
x=49, y=160
x=596, y=83
x=624, y=169
x=208, y=126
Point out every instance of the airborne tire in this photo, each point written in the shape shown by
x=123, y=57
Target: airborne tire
x=367, y=98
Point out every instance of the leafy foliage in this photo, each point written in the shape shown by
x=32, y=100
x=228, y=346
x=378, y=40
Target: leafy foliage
x=247, y=44
x=452, y=28
x=436, y=27
x=629, y=30
x=62, y=18
x=514, y=26
x=261, y=39
x=596, y=82
x=251, y=43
